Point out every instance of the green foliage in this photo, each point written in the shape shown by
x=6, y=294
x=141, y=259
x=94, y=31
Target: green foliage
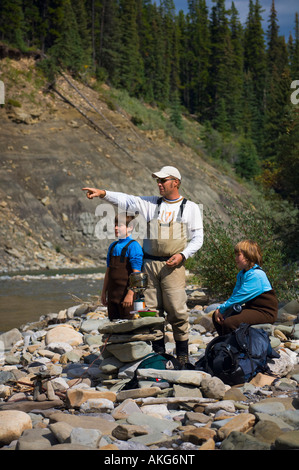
x=237, y=151
x=288, y=175
x=278, y=86
x=14, y=103
x=294, y=50
x=195, y=64
x=12, y=22
x=255, y=67
x=131, y=65
x=214, y=263
x=176, y=115
x=247, y=164
x=67, y=50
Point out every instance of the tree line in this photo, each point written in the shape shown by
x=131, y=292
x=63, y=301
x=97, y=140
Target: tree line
x=234, y=79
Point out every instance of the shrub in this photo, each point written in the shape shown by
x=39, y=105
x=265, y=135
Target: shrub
x=214, y=264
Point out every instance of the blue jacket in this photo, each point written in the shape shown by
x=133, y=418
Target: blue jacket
x=249, y=285
x=134, y=252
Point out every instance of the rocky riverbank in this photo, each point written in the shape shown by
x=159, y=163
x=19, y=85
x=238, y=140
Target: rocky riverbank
x=62, y=378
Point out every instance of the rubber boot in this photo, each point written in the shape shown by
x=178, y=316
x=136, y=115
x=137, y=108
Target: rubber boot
x=182, y=351
x=159, y=346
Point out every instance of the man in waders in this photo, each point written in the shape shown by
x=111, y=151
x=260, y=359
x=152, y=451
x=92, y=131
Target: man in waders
x=174, y=233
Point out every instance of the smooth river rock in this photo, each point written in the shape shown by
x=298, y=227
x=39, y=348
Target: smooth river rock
x=12, y=425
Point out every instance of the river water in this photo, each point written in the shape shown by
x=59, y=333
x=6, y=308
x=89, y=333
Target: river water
x=24, y=297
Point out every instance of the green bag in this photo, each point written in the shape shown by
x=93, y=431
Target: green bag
x=157, y=361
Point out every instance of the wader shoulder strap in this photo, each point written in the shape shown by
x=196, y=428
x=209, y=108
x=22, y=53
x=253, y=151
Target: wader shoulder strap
x=123, y=251
x=157, y=211
x=111, y=250
x=182, y=206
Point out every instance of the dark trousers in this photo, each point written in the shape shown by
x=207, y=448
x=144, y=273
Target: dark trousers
x=261, y=309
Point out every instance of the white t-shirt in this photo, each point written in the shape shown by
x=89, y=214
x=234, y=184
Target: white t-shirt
x=146, y=206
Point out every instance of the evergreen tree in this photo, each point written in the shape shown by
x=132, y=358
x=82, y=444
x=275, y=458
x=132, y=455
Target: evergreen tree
x=175, y=111
x=278, y=83
x=42, y=29
x=294, y=51
x=247, y=164
x=221, y=120
x=272, y=35
x=94, y=8
x=167, y=12
x=175, y=62
x=53, y=18
x=255, y=72
x=198, y=48
x=80, y=11
x=154, y=54
x=146, y=38
x=12, y=22
x=67, y=50
x=236, y=81
x=131, y=64
x=288, y=156
x=106, y=38
x=249, y=103
x=184, y=58
x=287, y=182
x=32, y=23
x=222, y=63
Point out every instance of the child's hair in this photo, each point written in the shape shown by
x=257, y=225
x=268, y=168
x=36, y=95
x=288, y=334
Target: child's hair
x=251, y=251
x=125, y=218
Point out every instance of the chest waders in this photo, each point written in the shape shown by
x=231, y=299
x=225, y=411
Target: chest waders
x=118, y=283
x=164, y=240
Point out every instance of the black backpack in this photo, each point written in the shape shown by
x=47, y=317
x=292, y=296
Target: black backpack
x=238, y=356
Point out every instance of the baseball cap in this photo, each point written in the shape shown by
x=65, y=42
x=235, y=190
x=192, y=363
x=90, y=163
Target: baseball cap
x=167, y=171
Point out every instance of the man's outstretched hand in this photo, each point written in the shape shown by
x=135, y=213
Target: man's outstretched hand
x=93, y=192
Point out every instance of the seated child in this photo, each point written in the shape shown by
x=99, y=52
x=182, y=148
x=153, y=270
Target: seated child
x=124, y=257
x=252, y=289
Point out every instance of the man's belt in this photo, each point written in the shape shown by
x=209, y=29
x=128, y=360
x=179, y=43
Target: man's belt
x=156, y=258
